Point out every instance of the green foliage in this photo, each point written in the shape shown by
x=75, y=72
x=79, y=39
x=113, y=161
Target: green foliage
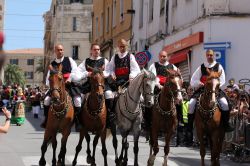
x=13, y=74
x=40, y=67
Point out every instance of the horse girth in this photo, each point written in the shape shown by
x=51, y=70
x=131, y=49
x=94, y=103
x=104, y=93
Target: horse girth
x=60, y=114
x=163, y=112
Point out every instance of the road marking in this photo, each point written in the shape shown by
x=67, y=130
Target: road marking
x=32, y=161
x=161, y=159
x=81, y=159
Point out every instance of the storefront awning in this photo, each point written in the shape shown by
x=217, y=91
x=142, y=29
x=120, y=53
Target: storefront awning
x=179, y=56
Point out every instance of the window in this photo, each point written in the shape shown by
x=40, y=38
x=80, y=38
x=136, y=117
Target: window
x=114, y=13
x=76, y=1
x=141, y=14
x=107, y=20
x=167, y=5
x=162, y=7
x=121, y=10
x=30, y=61
x=151, y=10
x=75, y=51
x=1, y=8
x=101, y=25
x=74, y=24
x=96, y=28
x=14, y=61
x=29, y=75
x=54, y=10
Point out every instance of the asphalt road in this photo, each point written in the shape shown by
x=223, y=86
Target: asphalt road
x=21, y=147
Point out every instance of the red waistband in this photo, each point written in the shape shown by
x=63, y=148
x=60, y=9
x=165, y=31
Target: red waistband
x=122, y=71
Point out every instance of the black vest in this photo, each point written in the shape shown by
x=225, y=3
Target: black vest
x=65, y=63
x=94, y=63
x=122, y=64
x=215, y=68
x=161, y=70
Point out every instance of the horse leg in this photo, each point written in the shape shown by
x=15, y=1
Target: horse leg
x=154, y=145
x=136, y=148
x=42, y=161
x=104, y=149
x=61, y=156
x=168, y=136
x=94, y=148
x=113, y=132
x=122, y=150
x=125, y=159
x=47, y=137
x=88, y=148
x=54, y=145
x=200, y=135
x=79, y=146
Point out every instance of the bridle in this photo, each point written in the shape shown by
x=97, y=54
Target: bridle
x=202, y=110
x=95, y=112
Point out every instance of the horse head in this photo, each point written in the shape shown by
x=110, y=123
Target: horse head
x=97, y=81
x=147, y=88
x=212, y=87
x=173, y=85
x=57, y=85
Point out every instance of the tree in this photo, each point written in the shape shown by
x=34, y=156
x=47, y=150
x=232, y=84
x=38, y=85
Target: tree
x=13, y=74
x=40, y=67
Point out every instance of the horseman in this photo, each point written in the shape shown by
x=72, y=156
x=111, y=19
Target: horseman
x=123, y=68
x=68, y=65
x=160, y=71
x=85, y=70
x=198, y=81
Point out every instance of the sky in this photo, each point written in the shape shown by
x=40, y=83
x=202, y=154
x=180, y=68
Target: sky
x=23, y=23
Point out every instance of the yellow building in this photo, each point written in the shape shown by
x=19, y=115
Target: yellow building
x=28, y=60
x=111, y=21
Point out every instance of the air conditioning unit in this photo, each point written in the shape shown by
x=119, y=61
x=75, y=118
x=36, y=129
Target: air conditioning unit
x=217, y=6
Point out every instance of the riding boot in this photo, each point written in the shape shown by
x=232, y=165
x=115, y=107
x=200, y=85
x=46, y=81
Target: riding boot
x=110, y=112
x=190, y=129
x=46, y=111
x=225, y=115
x=78, y=125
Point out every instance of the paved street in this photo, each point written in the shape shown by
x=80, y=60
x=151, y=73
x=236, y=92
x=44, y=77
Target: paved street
x=21, y=147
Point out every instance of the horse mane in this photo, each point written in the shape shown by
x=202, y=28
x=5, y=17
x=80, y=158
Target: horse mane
x=213, y=75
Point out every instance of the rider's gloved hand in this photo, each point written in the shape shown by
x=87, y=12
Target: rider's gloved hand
x=201, y=84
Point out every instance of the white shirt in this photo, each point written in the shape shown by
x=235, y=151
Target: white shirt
x=134, y=67
x=153, y=70
x=72, y=64
x=81, y=73
x=195, y=80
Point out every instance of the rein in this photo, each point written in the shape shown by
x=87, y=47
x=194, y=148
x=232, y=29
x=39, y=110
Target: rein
x=171, y=112
x=60, y=114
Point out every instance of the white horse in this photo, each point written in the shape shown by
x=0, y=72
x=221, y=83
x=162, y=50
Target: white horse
x=128, y=111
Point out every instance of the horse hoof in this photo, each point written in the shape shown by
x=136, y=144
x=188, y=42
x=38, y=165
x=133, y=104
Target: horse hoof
x=42, y=162
x=93, y=164
x=124, y=163
x=74, y=163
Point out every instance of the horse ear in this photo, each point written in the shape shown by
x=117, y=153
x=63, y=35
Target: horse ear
x=91, y=68
x=220, y=72
x=60, y=67
x=208, y=71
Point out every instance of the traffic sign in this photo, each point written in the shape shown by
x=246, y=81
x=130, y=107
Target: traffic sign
x=142, y=58
x=218, y=45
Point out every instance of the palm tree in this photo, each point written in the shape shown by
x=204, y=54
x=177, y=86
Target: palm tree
x=13, y=74
x=40, y=67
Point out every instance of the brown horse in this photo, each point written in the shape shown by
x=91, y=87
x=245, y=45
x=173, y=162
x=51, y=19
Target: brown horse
x=60, y=117
x=164, y=115
x=208, y=119
x=93, y=118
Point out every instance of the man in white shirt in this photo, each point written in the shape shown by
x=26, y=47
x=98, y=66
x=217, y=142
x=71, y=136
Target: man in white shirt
x=123, y=66
x=68, y=64
x=197, y=82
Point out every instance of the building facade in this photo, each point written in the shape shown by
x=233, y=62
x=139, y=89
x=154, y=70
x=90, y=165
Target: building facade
x=68, y=22
x=112, y=20
x=2, y=4
x=191, y=26
x=28, y=60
